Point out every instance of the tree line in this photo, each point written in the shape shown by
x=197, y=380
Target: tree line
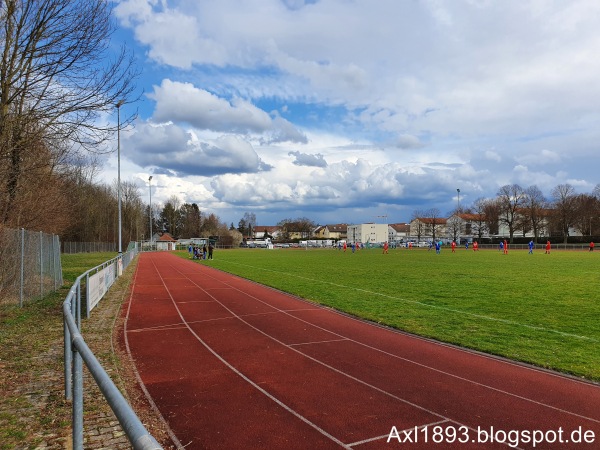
x=58, y=82
x=526, y=210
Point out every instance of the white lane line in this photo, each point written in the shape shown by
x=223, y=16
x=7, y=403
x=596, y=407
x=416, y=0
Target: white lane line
x=404, y=432
x=334, y=369
x=153, y=405
x=248, y=380
x=317, y=342
x=421, y=364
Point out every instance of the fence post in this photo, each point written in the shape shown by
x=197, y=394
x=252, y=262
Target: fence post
x=68, y=360
x=78, y=307
x=57, y=264
x=22, y=267
x=77, y=400
x=87, y=294
x=41, y=265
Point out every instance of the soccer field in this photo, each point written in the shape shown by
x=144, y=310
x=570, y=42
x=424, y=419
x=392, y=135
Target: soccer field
x=541, y=309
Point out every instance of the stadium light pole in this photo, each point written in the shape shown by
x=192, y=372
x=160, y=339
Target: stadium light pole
x=150, y=208
x=458, y=212
x=118, y=105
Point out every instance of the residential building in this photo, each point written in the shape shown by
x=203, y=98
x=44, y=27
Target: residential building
x=425, y=228
x=273, y=231
x=337, y=231
x=466, y=226
x=319, y=232
x=372, y=233
x=398, y=232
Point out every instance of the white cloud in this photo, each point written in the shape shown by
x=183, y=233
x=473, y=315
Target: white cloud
x=543, y=157
x=285, y=104
x=492, y=156
x=170, y=147
x=183, y=102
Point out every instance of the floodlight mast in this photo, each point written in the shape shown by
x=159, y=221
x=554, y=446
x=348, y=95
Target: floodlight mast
x=118, y=105
x=150, y=208
x=458, y=211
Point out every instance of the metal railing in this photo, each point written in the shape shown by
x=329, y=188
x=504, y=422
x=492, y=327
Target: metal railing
x=30, y=265
x=77, y=352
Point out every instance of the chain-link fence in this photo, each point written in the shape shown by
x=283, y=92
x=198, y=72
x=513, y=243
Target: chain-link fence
x=30, y=265
x=88, y=247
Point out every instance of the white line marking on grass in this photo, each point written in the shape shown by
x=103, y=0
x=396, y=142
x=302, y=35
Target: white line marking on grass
x=416, y=302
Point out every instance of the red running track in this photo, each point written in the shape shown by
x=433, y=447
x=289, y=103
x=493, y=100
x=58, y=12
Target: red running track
x=231, y=364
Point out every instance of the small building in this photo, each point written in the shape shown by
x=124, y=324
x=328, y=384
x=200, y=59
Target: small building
x=165, y=242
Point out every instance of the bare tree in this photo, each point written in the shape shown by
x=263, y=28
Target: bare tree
x=480, y=224
x=437, y=223
x=585, y=208
x=417, y=218
x=511, y=198
x=250, y=223
x=534, y=209
x=454, y=226
x=56, y=79
x=596, y=191
x=212, y=226
x=302, y=225
x=491, y=209
x=133, y=220
x=564, y=208
x=284, y=224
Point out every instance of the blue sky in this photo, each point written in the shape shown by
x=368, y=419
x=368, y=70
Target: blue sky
x=348, y=110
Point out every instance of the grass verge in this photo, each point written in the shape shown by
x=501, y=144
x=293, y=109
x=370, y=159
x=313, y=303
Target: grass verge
x=33, y=411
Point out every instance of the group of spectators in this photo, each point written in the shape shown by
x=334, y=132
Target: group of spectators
x=201, y=253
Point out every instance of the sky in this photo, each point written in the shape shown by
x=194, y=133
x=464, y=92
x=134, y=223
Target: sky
x=355, y=111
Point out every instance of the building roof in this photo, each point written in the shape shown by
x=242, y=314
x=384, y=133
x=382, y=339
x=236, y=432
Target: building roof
x=400, y=227
x=432, y=220
x=337, y=228
x=472, y=217
x=166, y=237
x=269, y=228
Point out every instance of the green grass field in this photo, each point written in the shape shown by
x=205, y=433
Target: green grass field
x=541, y=309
